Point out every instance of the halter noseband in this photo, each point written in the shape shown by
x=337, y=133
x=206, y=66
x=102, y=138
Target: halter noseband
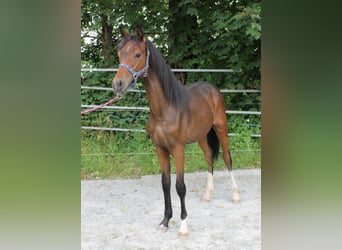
x=135, y=74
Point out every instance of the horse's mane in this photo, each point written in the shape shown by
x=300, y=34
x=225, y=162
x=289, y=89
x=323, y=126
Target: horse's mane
x=174, y=92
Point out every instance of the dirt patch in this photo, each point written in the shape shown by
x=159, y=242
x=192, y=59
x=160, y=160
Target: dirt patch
x=125, y=214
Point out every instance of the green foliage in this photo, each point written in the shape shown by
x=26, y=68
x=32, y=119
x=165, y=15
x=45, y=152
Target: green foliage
x=130, y=155
x=190, y=34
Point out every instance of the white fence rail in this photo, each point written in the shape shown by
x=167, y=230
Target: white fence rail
x=143, y=91
x=146, y=109
x=173, y=70
x=141, y=130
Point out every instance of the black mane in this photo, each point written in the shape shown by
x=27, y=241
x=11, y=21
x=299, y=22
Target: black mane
x=175, y=93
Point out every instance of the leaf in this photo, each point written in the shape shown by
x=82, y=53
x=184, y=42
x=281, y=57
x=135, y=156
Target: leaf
x=256, y=26
x=253, y=32
x=192, y=11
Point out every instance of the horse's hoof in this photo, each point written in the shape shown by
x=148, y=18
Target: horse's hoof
x=183, y=230
x=163, y=228
x=236, y=198
x=205, y=198
x=236, y=201
x=183, y=234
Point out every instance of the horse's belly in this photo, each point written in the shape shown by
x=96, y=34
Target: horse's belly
x=195, y=135
x=199, y=125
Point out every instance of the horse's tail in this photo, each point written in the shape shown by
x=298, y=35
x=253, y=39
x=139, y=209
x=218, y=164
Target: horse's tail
x=214, y=143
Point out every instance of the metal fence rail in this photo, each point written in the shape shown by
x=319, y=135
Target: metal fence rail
x=173, y=70
x=153, y=153
x=142, y=130
x=143, y=91
x=146, y=109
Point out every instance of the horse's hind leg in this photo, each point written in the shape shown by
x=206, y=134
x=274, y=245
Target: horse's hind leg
x=208, y=156
x=222, y=134
x=236, y=197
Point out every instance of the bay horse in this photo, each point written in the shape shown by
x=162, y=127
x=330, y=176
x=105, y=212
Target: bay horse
x=178, y=116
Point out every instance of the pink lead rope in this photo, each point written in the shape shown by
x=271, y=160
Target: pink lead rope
x=100, y=106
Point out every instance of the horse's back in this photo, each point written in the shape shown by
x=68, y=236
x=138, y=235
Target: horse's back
x=202, y=86
x=213, y=96
x=206, y=91
x=206, y=107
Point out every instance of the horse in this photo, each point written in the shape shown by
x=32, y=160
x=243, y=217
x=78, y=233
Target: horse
x=178, y=116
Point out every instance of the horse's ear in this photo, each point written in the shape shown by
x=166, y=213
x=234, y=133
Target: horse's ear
x=123, y=32
x=139, y=33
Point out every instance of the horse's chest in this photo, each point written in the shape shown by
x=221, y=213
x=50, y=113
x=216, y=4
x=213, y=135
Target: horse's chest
x=161, y=133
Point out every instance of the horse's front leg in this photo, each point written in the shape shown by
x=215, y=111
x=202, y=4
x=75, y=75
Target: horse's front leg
x=164, y=161
x=178, y=155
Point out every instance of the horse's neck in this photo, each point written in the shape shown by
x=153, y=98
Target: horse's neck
x=155, y=95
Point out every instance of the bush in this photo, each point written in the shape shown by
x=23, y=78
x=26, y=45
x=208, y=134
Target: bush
x=107, y=154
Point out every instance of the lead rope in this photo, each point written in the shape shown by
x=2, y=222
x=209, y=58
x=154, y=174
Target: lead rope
x=116, y=98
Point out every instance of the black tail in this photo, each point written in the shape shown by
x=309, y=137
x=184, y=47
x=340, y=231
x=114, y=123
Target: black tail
x=214, y=143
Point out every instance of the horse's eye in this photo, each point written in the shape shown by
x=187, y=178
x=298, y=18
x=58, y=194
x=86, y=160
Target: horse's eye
x=137, y=55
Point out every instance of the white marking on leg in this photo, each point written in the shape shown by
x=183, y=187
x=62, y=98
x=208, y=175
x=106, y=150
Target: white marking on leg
x=236, y=197
x=210, y=187
x=183, y=230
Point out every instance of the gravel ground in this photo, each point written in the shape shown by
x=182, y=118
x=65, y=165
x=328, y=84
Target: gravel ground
x=125, y=213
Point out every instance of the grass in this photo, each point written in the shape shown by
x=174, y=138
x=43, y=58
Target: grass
x=131, y=155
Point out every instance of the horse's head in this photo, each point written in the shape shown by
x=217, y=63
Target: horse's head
x=133, y=58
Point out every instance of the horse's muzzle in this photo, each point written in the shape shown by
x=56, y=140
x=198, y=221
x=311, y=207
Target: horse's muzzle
x=119, y=86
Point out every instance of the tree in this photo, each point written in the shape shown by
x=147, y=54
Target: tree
x=189, y=33
x=181, y=37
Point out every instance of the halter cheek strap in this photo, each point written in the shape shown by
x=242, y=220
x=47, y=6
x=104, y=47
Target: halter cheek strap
x=135, y=74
